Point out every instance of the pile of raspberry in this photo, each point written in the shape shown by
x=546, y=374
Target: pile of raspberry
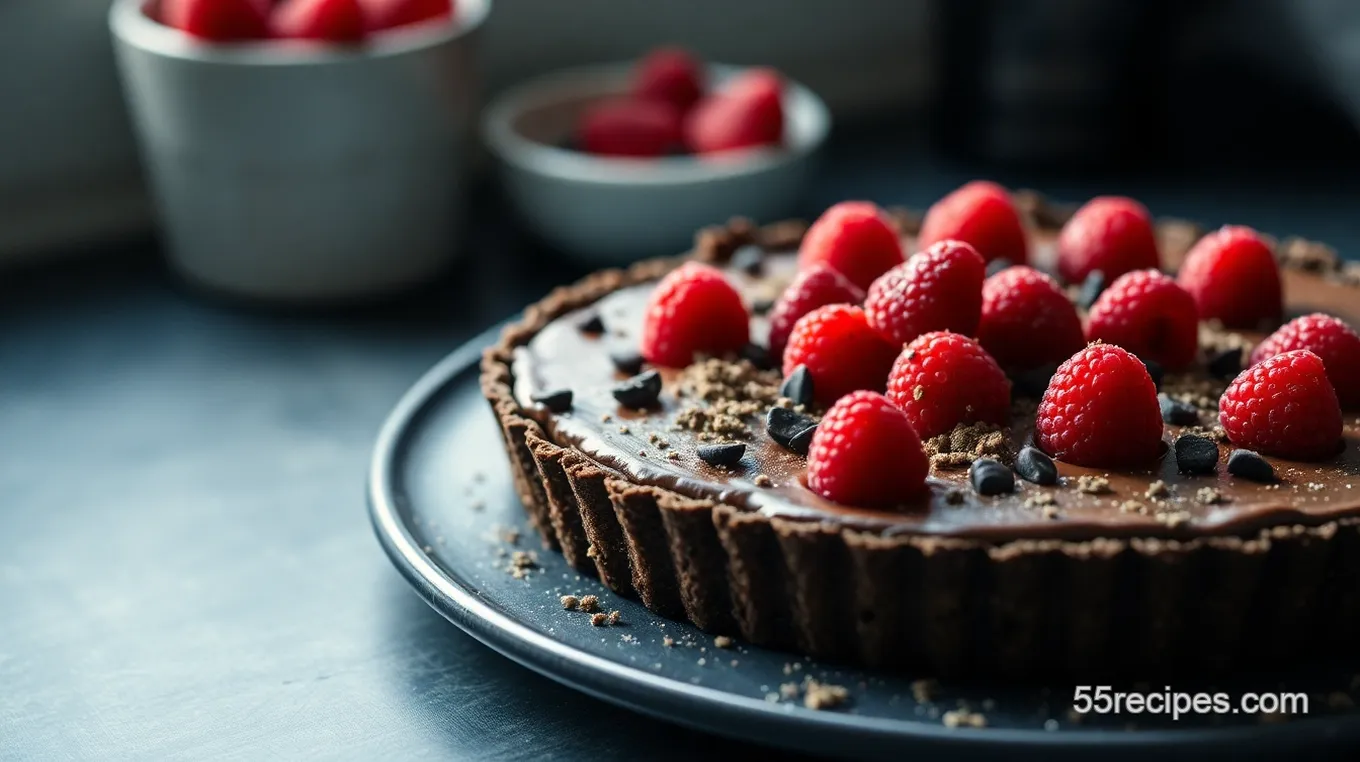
x=333, y=21
x=669, y=109
x=900, y=348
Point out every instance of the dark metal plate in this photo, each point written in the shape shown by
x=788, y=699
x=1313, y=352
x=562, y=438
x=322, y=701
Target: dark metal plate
x=444, y=509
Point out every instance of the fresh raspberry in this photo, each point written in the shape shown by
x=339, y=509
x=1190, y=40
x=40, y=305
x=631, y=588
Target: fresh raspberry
x=841, y=352
x=693, y=309
x=943, y=379
x=982, y=215
x=389, y=14
x=326, y=20
x=1232, y=276
x=670, y=75
x=748, y=113
x=854, y=238
x=218, y=20
x=939, y=289
x=1101, y=411
x=810, y=289
x=1146, y=313
x=639, y=129
x=1111, y=234
x=1330, y=339
x=1283, y=406
x=1027, y=321
x=865, y=453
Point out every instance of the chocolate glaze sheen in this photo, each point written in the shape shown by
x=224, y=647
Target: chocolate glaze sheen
x=562, y=356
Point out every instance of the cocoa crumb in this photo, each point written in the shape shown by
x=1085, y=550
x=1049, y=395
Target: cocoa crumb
x=1093, y=485
x=569, y=602
x=1210, y=496
x=668, y=642
x=1174, y=519
x=924, y=691
x=1133, y=506
x=614, y=617
x=623, y=429
x=1157, y=490
x=953, y=496
x=788, y=691
x=761, y=480
x=672, y=455
x=722, y=641
x=967, y=443
x=1051, y=512
x=818, y=695
x=918, y=392
x=589, y=603
x=598, y=620
x=1040, y=499
x=727, y=393
x=962, y=718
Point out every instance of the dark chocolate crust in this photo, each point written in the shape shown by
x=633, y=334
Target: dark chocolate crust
x=948, y=607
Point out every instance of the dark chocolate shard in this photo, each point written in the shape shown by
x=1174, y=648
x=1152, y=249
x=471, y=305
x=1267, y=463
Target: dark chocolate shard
x=798, y=387
x=1176, y=412
x=1196, y=454
x=627, y=361
x=790, y=430
x=1250, y=466
x=594, y=324
x=997, y=265
x=1035, y=466
x=749, y=259
x=761, y=306
x=1156, y=371
x=724, y=455
x=1226, y=364
x=640, y=391
x=1033, y=382
x=990, y=477
x=1091, y=289
x=557, y=401
x=757, y=355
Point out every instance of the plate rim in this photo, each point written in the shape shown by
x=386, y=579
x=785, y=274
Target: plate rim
x=652, y=694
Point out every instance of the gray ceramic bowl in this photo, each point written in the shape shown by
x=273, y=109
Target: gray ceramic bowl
x=606, y=210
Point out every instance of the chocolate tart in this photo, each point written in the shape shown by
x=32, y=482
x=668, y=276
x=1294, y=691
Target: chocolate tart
x=1137, y=574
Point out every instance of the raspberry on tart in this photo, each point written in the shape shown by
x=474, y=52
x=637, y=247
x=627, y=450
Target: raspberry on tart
x=840, y=351
x=218, y=20
x=326, y=20
x=390, y=14
x=866, y=453
x=1148, y=314
x=1334, y=342
x=1284, y=406
x=632, y=128
x=693, y=310
x=1112, y=234
x=1027, y=321
x=943, y=379
x=1101, y=411
x=854, y=238
x=814, y=287
x=1233, y=277
x=747, y=113
x=981, y=214
x=670, y=75
x=939, y=289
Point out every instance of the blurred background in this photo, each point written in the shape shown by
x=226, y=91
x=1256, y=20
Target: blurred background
x=1243, y=83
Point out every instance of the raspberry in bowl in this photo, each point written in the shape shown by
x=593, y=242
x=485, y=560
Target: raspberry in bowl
x=889, y=465
x=617, y=162
x=304, y=150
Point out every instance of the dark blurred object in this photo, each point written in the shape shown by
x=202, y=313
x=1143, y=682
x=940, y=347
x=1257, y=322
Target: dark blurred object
x=1131, y=82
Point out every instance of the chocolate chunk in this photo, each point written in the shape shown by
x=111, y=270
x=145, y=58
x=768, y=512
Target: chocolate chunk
x=1035, y=466
x=997, y=265
x=1177, y=413
x=627, y=361
x=990, y=477
x=558, y=401
x=1033, y=382
x=722, y=455
x=749, y=259
x=1226, y=364
x=1196, y=454
x=1091, y=289
x=593, y=324
x=1250, y=466
x=639, y=391
x=1156, y=371
x=757, y=355
x=761, y=306
x=790, y=430
x=798, y=386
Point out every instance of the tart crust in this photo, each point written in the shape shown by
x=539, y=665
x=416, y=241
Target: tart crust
x=949, y=607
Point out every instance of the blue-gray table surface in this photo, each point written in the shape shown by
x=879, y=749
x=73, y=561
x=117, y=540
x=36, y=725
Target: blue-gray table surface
x=186, y=568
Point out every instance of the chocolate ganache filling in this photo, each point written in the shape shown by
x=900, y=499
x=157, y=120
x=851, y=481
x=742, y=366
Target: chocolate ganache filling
x=716, y=401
